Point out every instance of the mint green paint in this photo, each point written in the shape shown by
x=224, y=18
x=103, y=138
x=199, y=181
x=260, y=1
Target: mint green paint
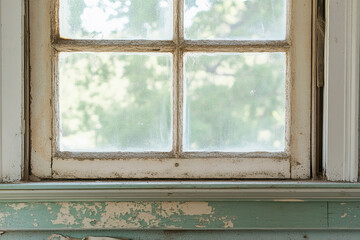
x=344, y=215
x=176, y=184
x=162, y=215
x=192, y=235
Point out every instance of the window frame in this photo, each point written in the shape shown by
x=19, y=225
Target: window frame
x=341, y=91
x=12, y=93
x=292, y=165
x=11, y=161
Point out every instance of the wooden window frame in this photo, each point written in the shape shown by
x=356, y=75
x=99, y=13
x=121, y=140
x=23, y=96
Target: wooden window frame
x=14, y=168
x=341, y=90
x=293, y=163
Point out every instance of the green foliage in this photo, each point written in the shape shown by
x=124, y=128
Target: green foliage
x=123, y=102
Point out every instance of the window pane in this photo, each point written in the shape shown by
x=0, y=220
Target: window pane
x=234, y=102
x=116, y=19
x=115, y=102
x=235, y=19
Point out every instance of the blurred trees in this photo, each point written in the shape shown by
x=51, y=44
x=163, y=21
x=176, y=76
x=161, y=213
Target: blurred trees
x=122, y=102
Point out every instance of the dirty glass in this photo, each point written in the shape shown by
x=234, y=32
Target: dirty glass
x=115, y=102
x=116, y=19
x=234, y=102
x=235, y=19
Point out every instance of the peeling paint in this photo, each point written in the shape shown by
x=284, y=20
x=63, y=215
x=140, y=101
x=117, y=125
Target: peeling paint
x=64, y=216
x=18, y=206
x=228, y=224
x=344, y=215
x=195, y=208
x=160, y=215
x=61, y=237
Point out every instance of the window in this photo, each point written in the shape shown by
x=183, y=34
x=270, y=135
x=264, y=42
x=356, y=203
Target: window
x=170, y=89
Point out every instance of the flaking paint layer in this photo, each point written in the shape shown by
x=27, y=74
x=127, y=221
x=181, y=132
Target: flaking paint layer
x=161, y=215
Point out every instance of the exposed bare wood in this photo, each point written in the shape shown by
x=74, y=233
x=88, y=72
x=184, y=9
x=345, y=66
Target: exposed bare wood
x=70, y=45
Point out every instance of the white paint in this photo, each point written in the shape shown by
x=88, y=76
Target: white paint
x=41, y=111
x=12, y=78
x=192, y=168
x=300, y=89
x=341, y=92
x=295, y=165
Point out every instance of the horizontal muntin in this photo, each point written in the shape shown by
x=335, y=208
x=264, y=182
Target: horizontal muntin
x=70, y=45
x=161, y=155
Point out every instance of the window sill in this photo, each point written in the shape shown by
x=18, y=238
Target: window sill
x=284, y=191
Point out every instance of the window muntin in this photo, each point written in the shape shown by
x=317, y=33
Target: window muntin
x=166, y=165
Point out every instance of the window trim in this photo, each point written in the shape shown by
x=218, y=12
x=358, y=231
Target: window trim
x=13, y=150
x=285, y=191
x=44, y=164
x=341, y=92
x=12, y=123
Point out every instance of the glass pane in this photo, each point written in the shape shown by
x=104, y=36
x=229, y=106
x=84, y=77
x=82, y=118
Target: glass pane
x=116, y=19
x=235, y=19
x=234, y=102
x=115, y=102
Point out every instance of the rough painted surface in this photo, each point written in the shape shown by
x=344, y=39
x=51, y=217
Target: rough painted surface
x=344, y=214
x=192, y=235
x=162, y=215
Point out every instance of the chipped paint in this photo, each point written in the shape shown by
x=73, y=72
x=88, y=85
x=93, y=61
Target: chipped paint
x=195, y=208
x=62, y=237
x=344, y=215
x=161, y=215
x=64, y=216
x=228, y=224
x=18, y=206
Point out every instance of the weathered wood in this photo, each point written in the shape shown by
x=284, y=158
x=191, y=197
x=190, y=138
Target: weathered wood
x=234, y=46
x=172, y=168
x=70, y=45
x=233, y=165
x=40, y=88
